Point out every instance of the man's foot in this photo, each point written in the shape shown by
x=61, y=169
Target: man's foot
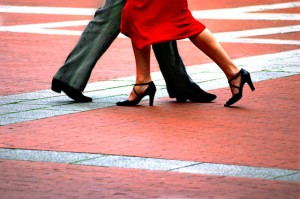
x=199, y=97
x=58, y=86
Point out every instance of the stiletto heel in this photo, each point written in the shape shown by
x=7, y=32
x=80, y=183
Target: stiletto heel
x=150, y=90
x=250, y=83
x=58, y=86
x=151, y=99
x=245, y=78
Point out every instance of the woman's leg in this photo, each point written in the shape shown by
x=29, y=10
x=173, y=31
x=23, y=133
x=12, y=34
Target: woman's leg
x=142, y=59
x=207, y=43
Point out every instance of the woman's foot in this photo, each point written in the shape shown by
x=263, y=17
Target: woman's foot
x=138, y=92
x=236, y=85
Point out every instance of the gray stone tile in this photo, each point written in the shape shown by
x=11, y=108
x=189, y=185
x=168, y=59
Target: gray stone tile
x=3, y=150
x=5, y=100
x=109, y=93
x=291, y=178
x=208, y=77
x=269, y=75
x=107, y=85
x=79, y=107
x=214, y=84
x=137, y=163
x=233, y=170
x=38, y=114
x=46, y=156
x=11, y=120
x=19, y=107
x=32, y=95
x=53, y=101
x=102, y=160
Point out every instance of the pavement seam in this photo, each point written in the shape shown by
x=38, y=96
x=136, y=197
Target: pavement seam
x=283, y=176
x=87, y=159
x=186, y=166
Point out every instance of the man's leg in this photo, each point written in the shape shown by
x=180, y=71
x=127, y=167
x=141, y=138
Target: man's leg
x=179, y=84
x=94, y=41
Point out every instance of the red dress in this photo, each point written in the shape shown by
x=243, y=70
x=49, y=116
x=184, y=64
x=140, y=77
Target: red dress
x=154, y=21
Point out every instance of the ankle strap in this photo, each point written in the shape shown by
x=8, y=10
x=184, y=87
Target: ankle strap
x=143, y=84
x=235, y=76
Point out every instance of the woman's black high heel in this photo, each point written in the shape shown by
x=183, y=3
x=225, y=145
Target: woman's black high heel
x=245, y=78
x=58, y=86
x=151, y=89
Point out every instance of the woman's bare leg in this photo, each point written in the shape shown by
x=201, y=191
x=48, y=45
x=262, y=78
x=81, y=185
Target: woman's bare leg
x=207, y=43
x=142, y=59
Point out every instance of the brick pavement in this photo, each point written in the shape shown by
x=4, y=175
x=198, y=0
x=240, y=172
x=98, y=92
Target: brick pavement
x=50, y=180
x=260, y=132
x=245, y=135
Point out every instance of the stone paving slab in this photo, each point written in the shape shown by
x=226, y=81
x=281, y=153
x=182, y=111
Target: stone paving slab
x=244, y=135
x=117, y=161
x=46, y=156
x=241, y=171
x=52, y=180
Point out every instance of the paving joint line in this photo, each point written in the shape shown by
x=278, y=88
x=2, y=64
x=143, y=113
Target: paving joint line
x=195, y=164
x=291, y=174
x=83, y=160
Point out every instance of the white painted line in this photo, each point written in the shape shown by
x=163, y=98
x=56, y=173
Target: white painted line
x=240, y=13
x=233, y=37
x=248, y=12
x=45, y=28
x=47, y=10
x=260, y=32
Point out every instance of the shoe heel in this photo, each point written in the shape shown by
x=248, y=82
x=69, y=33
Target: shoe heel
x=151, y=99
x=56, y=87
x=250, y=83
x=152, y=91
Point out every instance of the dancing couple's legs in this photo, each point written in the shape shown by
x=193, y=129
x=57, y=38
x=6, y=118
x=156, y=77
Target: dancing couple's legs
x=100, y=32
x=207, y=43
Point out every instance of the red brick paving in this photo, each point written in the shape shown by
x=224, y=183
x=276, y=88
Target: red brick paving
x=50, y=180
x=261, y=131
x=13, y=19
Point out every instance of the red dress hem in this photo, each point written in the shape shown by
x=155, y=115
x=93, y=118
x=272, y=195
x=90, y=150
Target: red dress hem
x=149, y=22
